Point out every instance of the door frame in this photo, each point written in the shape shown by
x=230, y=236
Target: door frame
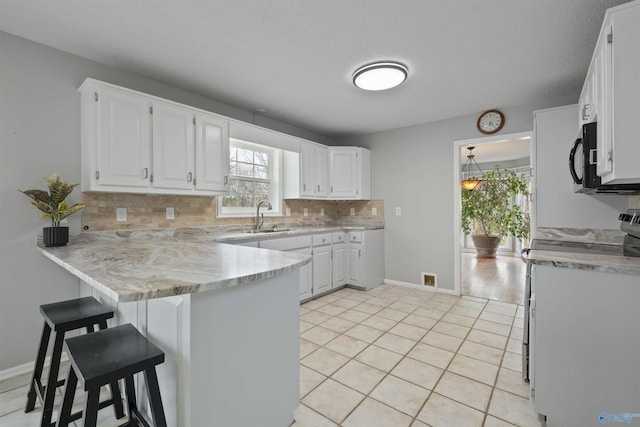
x=457, y=205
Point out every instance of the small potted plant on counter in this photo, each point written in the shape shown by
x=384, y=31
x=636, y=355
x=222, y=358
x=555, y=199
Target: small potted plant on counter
x=54, y=206
x=491, y=211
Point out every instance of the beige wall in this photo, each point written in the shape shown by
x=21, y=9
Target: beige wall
x=149, y=211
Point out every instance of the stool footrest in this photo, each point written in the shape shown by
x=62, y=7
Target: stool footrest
x=77, y=415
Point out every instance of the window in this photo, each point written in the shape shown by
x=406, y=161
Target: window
x=253, y=176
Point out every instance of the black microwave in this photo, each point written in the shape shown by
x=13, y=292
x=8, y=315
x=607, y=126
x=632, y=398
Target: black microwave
x=583, y=161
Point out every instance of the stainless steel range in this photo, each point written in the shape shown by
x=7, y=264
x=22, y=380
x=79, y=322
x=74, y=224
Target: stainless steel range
x=630, y=224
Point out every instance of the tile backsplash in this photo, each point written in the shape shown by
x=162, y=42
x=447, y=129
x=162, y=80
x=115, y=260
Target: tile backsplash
x=147, y=211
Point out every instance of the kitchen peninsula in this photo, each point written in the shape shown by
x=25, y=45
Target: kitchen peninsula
x=225, y=315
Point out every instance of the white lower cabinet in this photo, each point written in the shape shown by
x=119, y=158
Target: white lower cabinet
x=322, y=268
x=584, y=337
x=297, y=244
x=338, y=259
x=365, y=255
x=355, y=259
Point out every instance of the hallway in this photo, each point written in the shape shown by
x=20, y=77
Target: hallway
x=499, y=279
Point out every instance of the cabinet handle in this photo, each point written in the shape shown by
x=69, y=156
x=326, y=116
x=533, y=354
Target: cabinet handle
x=318, y=188
x=585, y=112
x=145, y=173
x=304, y=187
x=359, y=253
x=226, y=179
x=189, y=177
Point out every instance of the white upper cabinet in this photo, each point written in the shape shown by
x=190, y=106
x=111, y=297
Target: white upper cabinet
x=349, y=173
x=173, y=151
x=307, y=172
x=117, y=126
x=314, y=170
x=611, y=93
x=212, y=153
x=138, y=143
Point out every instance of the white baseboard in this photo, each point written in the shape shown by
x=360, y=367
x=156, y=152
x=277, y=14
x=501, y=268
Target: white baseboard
x=423, y=288
x=17, y=371
x=27, y=368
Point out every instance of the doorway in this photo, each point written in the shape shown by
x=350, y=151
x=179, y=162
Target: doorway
x=502, y=278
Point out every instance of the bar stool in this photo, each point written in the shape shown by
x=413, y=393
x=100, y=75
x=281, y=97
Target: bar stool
x=106, y=356
x=62, y=317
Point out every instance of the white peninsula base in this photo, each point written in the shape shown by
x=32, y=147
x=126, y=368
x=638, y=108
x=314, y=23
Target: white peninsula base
x=231, y=354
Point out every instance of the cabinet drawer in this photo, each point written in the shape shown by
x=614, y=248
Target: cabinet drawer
x=287, y=243
x=322, y=239
x=355, y=236
x=339, y=237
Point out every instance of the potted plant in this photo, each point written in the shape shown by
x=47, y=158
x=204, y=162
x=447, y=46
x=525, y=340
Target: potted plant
x=54, y=206
x=491, y=211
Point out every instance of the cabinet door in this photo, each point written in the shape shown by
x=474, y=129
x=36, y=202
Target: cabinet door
x=212, y=153
x=322, y=277
x=322, y=171
x=355, y=265
x=604, y=139
x=343, y=164
x=307, y=169
x=306, y=281
x=339, y=265
x=124, y=141
x=623, y=151
x=173, y=147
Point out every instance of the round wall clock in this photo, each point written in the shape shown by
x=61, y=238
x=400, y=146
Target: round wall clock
x=491, y=121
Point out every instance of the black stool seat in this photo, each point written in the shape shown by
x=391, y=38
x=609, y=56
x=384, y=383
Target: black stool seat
x=104, y=357
x=62, y=317
x=75, y=314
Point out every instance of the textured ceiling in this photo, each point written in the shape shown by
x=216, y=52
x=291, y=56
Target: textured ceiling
x=295, y=58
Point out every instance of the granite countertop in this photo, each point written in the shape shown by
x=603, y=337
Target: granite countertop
x=581, y=239
x=145, y=264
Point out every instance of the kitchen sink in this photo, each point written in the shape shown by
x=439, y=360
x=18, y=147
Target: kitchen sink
x=267, y=230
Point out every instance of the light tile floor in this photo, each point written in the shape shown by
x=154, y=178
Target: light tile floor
x=391, y=357
x=398, y=357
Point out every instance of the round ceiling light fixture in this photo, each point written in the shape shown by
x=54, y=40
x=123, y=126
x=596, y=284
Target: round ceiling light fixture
x=380, y=75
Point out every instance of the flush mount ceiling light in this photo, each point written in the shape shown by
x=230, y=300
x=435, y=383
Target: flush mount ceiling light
x=380, y=76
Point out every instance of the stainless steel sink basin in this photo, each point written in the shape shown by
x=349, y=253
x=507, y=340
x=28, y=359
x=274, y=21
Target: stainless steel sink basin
x=267, y=230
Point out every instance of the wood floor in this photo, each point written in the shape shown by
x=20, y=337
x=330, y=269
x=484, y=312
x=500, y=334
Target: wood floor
x=500, y=279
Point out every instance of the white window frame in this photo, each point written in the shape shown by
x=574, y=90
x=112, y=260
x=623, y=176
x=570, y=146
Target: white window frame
x=275, y=185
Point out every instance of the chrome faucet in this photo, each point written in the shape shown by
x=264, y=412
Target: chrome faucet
x=260, y=218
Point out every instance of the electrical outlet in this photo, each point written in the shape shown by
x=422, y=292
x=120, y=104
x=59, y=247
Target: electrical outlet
x=352, y=211
x=374, y=211
x=305, y=212
x=288, y=212
x=171, y=213
x=321, y=211
x=121, y=214
x=398, y=211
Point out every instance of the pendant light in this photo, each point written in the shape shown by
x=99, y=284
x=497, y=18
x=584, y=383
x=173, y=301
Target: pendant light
x=380, y=76
x=471, y=182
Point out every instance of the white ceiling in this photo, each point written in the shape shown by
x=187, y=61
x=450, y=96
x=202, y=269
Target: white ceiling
x=498, y=151
x=295, y=58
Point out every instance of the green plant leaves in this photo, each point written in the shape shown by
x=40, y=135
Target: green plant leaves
x=54, y=204
x=493, y=207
